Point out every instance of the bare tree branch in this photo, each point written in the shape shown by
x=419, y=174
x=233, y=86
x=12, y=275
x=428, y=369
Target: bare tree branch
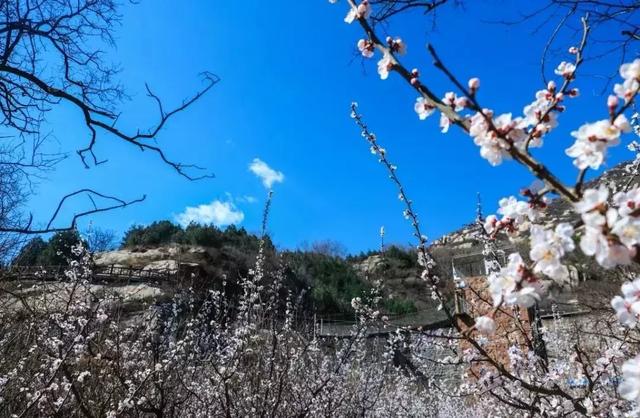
x=30, y=230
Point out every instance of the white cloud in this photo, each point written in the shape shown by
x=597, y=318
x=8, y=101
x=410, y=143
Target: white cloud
x=267, y=174
x=247, y=199
x=241, y=199
x=217, y=212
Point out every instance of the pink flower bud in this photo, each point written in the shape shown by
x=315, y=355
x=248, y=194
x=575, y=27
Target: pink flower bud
x=551, y=85
x=612, y=101
x=474, y=83
x=413, y=81
x=362, y=8
x=415, y=72
x=389, y=40
x=573, y=50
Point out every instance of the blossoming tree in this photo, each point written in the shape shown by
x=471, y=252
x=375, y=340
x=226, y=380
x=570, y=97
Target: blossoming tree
x=608, y=229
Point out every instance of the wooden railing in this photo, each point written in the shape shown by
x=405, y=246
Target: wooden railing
x=132, y=274
x=100, y=273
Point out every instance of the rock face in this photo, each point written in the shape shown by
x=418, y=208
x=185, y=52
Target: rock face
x=370, y=265
x=161, y=258
x=162, y=265
x=212, y=263
x=56, y=295
x=400, y=281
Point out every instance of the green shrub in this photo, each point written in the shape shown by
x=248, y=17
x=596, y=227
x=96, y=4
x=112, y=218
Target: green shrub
x=404, y=257
x=158, y=233
x=30, y=253
x=203, y=235
x=399, y=306
x=54, y=252
x=333, y=281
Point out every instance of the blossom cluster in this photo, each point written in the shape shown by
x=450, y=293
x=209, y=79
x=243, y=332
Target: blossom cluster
x=547, y=249
x=630, y=72
x=594, y=139
x=517, y=215
x=627, y=309
x=497, y=135
x=361, y=11
x=611, y=229
x=515, y=284
x=627, y=306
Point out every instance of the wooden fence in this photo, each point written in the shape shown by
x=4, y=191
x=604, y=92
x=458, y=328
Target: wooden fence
x=99, y=273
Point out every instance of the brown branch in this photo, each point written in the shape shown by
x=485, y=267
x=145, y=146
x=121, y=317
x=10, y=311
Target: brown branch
x=27, y=229
x=90, y=113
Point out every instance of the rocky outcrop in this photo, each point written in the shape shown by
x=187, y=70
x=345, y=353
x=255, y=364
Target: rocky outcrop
x=399, y=280
x=52, y=296
x=160, y=258
x=162, y=265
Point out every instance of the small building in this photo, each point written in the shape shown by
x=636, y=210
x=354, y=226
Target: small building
x=515, y=326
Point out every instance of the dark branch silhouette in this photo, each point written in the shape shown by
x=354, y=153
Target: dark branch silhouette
x=30, y=230
x=388, y=8
x=48, y=57
x=50, y=54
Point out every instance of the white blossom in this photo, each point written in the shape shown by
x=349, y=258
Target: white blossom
x=627, y=229
x=587, y=154
x=592, y=199
x=485, y=325
x=517, y=211
x=384, y=65
x=490, y=224
x=423, y=108
x=565, y=69
x=607, y=254
x=630, y=387
x=494, y=144
x=593, y=140
x=445, y=123
x=366, y=48
x=598, y=218
x=533, y=114
x=548, y=247
x=630, y=72
x=627, y=306
x=363, y=10
x=513, y=285
x=627, y=202
x=398, y=46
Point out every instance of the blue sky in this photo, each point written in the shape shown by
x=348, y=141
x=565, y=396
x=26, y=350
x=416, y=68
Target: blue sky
x=288, y=74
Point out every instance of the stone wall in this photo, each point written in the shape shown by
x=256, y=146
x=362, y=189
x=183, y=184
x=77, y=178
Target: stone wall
x=513, y=324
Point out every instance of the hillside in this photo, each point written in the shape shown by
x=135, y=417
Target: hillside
x=595, y=282
x=558, y=209
x=326, y=280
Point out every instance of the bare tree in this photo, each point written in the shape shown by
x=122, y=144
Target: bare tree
x=12, y=199
x=100, y=240
x=50, y=54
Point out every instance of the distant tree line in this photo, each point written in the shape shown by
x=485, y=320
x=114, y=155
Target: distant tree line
x=166, y=232
x=56, y=251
